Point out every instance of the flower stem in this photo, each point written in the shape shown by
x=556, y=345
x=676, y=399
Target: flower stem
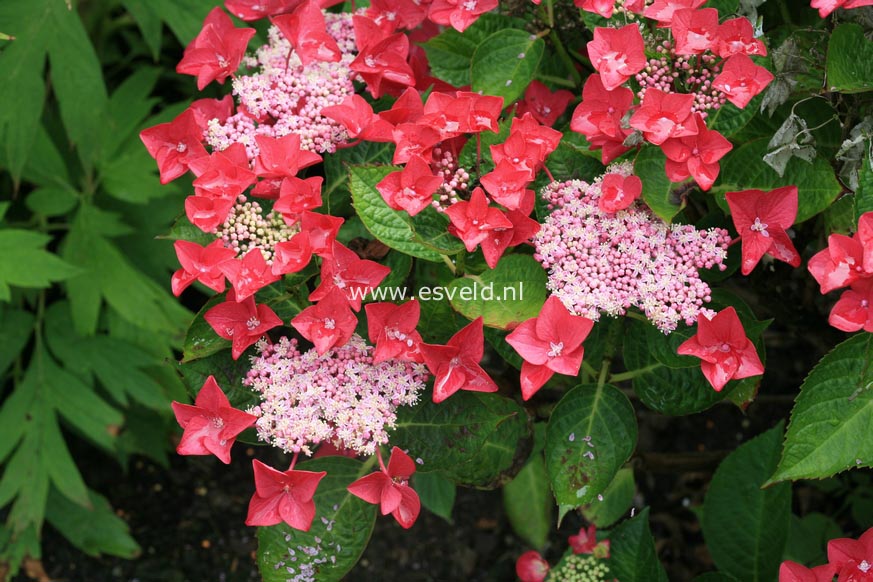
x=565, y=57
x=631, y=374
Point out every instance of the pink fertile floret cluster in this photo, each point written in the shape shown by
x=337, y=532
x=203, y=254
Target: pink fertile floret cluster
x=609, y=262
x=283, y=96
x=340, y=397
x=694, y=74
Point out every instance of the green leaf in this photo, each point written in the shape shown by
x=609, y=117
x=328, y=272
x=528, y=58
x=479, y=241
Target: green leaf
x=201, y=340
x=474, y=439
x=182, y=229
x=659, y=193
x=670, y=384
x=617, y=500
x=14, y=334
x=592, y=432
x=94, y=531
x=25, y=263
x=730, y=119
x=437, y=493
x=505, y=63
x=633, y=557
x=51, y=201
x=77, y=80
x=864, y=193
x=834, y=406
x=389, y=226
x=745, y=526
x=808, y=537
x=488, y=295
x=450, y=53
x=850, y=60
x=149, y=24
x=60, y=465
x=184, y=17
x=22, y=93
x=529, y=504
x=339, y=533
x=743, y=169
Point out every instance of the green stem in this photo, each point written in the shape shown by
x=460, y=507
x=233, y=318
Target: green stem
x=550, y=10
x=557, y=81
x=565, y=57
x=450, y=264
x=631, y=374
x=613, y=335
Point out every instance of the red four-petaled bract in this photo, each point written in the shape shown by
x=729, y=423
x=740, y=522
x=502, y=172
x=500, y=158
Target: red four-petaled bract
x=523, y=229
x=617, y=54
x=793, y=572
x=459, y=14
x=322, y=230
x=617, y=192
x=761, y=219
x=846, y=259
x=412, y=188
x=724, y=349
x=392, y=330
x=455, y=366
x=695, y=31
x=852, y=559
x=399, y=13
x=602, y=7
x=852, y=311
x=381, y=59
x=306, y=30
x=584, y=541
x=664, y=115
x=292, y=255
x=549, y=343
x=825, y=7
x=200, y=264
x=205, y=110
x=258, y=9
x=413, y=139
x=223, y=174
x=736, y=36
x=599, y=117
x=175, y=144
x=283, y=496
x=696, y=155
x=279, y=158
x=216, y=52
x=249, y=274
x=663, y=10
x=242, y=322
x=389, y=488
x=741, y=80
x=211, y=425
x=328, y=324
x=356, y=115
x=507, y=185
x=472, y=220
x=297, y=195
x=545, y=106
x=354, y=276
x=531, y=567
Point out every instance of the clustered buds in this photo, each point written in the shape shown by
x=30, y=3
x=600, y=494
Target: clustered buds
x=601, y=262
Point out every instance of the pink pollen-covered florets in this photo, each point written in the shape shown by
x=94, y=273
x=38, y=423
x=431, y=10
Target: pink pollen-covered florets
x=282, y=96
x=340, y=397
x=607, y=263
x=672, y=73
x=456, y=180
